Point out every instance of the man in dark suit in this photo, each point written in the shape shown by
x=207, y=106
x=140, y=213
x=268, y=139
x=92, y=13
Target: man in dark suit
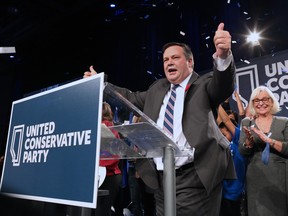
x=199, y=175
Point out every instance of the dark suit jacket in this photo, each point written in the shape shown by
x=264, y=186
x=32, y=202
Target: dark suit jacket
x=212, y=157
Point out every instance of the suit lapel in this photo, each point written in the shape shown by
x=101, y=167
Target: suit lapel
x=158, y=95
x=192, y=79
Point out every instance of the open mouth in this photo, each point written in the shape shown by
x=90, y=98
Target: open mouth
x=172, y=70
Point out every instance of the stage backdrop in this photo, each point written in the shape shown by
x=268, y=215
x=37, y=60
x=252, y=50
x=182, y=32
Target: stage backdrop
x=53, y=145
x=271, y=71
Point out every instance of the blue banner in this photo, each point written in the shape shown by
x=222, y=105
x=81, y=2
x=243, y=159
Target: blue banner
x=271, y=71
x=52, y=151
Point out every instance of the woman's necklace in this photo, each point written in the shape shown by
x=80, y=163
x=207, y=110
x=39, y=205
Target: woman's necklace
x=264, y=124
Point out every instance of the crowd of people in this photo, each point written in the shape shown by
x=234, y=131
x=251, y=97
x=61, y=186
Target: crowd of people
x=261, y=138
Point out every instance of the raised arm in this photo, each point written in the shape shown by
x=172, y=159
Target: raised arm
x=89, y=73
x=241, y=110
x=223, y=116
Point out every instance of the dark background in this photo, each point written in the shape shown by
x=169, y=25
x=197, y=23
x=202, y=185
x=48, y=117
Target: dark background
x=57, y=40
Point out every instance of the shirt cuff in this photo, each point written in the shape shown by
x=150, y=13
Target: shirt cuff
x=222, y=64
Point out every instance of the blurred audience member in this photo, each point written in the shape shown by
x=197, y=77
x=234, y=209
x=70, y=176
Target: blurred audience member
x=113, y=178
x=233, y=190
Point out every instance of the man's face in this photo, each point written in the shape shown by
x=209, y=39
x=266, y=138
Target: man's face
x=176, y=66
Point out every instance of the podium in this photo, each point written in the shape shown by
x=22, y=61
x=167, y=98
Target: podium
x=55, y=135
x=139, y=140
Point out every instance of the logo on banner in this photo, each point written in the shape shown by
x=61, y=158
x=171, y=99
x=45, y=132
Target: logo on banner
x=247, y=78
x=31, y=144
x=16, y=144
x=273, y=75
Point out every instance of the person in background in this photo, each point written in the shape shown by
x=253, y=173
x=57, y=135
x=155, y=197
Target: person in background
x=236, y=115
x=113, y=177
x=240, y=106
x=233, y=189
x=142, y=197
x=264, y=141
x=247, y=113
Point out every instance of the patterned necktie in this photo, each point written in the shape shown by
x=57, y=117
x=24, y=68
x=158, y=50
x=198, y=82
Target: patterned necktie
x=169, y=112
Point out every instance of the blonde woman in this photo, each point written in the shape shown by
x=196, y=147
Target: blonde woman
x=266, y=180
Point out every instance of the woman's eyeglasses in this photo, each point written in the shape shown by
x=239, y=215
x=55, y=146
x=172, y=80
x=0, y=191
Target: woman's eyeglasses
x=264, y=100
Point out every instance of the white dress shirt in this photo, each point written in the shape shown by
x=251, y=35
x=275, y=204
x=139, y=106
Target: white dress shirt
x=178, y=136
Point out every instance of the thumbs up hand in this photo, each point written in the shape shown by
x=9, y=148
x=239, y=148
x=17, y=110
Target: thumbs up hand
x=222, y=42
x=89, y=73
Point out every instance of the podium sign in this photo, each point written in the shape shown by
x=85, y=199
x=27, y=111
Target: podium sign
x=53, y=145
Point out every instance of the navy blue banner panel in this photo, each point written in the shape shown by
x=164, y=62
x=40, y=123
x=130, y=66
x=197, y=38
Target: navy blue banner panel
x=270, y=71
x=53, y=145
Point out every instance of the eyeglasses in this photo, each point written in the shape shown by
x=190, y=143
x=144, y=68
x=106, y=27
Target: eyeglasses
x=264, y=100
